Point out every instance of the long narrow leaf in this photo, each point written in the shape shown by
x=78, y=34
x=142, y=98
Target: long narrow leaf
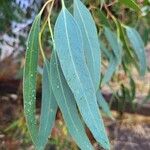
x=114, y=42
x=67, y=105
x=29, y=78
x=131, y=4
x=103, y=104
x=138, y=45
x=48, y=109
x=101, y=18
x=70, y=53
x=113, y=64
x=90, y=40
x=90, y=43
x=105, y=51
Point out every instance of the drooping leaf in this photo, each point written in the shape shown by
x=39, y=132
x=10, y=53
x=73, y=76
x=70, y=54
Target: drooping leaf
x=67, y=105
x=133, y=89
x=101, y=18
x=131, y=4
x=128, y=57
x=90, y=43
x=70, y=52
x=29, y=78
x=90, y=40
x=105, y=51
x=123, y=38
x=48, y=109
x=138, y=46
x=115, y=43
x=114, y=57
x=112, y=67
x=103, y=104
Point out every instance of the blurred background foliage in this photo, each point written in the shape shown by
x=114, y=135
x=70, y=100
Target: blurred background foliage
x=126, y=85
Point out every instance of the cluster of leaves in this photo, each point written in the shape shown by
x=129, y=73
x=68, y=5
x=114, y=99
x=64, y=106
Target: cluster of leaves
x=72, y=77
x=116, y=16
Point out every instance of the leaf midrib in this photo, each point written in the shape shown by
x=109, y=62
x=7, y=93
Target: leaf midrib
x=74, y=65
x=87, y=35
x=64, y=95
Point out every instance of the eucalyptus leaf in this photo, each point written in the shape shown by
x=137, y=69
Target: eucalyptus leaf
x=29, y=78
x=113, y=65
x=90, y=43
x=67, y=105
x=70, y=52
x=138, y=46
x=103, y=104
x=90, y=40
x=103, y=19
x=131, y=4
x=115, y=43
x=115, y=56
x=48, y=109
x=105, y=51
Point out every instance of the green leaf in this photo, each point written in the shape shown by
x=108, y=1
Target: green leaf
x=128, y=58
x=131, y=4
x=138, y=46
x=115, y=57
x=113, y=65
x=123, y=38
x=71, y=56
x=115, y=43
x=101, y=17
x=48, y=109
x=103, y=104
x=29, y=77
x=105, y=51
x=90, y=40
x=67, y=105
x=133, y=89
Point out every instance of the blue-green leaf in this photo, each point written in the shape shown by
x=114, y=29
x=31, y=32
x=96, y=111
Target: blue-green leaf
x=138, y=46
x=90, y=43
x=70, y=52
x=90, y=40
x=113, y=64
x=115, y=43
x=115, y=57
x=105, y=51
x=103, y=104
x=67, y=105
x=29, y=77
x=48, y=109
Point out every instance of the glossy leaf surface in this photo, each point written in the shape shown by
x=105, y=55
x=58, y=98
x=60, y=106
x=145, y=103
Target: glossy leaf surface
x=29, y=78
